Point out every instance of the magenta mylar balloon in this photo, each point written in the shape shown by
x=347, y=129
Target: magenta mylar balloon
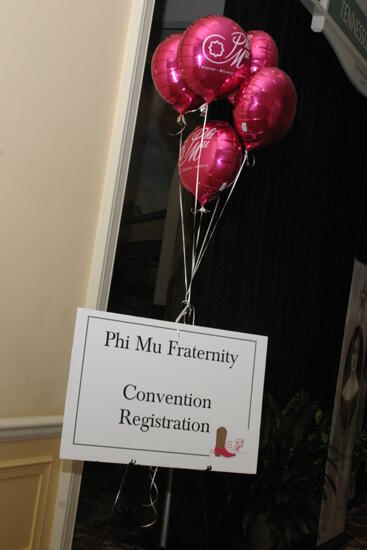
x=220, y=160
x=167, y=76
x=264, y=51
x=265, y=108
x=214, y=54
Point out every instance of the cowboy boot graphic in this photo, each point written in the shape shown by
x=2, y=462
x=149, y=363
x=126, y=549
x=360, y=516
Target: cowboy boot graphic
x=220, y=443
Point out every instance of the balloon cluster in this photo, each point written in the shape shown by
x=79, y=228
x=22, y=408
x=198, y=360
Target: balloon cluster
x=214, y=59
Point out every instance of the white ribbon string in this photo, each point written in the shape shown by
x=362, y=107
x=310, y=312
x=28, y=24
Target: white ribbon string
x=126, y=469
x=181, y=121
x=188, y=292
x=212, y=217
x=182, y=223
x=188, y=311
x=202, y=109
x=153, y=497
x=199, y=229
x=204, y=246
x=193, y=254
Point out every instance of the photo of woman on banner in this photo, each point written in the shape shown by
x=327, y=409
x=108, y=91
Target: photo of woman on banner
x=351, y=379
x=348, y=408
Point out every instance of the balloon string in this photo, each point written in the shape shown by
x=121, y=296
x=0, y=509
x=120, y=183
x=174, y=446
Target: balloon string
x=193, y=254
x=204, y=245
x=188, y=292
x=202, y=109
x=182, y=223
x=117, y=497
x=199, y=229
x=188, y=310
x=181, y=121
x=153, y=497
x=212, y=217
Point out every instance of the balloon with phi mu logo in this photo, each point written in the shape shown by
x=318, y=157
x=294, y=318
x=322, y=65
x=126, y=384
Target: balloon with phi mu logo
x=220, y=160
x=215, y=56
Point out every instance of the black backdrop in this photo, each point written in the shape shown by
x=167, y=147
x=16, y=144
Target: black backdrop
x=282, y=259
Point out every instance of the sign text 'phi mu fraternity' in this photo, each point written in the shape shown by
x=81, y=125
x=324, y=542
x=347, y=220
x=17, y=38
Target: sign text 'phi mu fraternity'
x=163, y=394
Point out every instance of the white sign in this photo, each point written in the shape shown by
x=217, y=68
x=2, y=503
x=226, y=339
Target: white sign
x=163, y=394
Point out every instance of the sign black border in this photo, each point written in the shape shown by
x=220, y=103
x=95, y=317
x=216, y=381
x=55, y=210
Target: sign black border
x=160, y=327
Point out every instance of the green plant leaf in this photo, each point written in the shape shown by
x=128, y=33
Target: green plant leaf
x=318, y=416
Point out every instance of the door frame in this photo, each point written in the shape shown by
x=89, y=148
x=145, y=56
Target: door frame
x=114, y=185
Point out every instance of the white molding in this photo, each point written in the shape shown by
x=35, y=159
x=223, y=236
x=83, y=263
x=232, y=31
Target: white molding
x=132, y=72
x=66, y=505
x=30, y=427
x=119, y=154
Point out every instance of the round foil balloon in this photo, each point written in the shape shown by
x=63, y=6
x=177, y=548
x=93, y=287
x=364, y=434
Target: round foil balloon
x=214, y=54
x=265, y=108
x=220, y=160
x=167, y=76
x=264, y=51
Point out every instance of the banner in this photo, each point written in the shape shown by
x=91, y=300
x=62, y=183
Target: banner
x=352, y=21
x=344, y=24
x=348, y=409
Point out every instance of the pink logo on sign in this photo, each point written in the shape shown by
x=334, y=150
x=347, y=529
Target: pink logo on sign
x=225, y=448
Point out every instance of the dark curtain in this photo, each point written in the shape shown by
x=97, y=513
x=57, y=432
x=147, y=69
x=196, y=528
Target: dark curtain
x=282, y=258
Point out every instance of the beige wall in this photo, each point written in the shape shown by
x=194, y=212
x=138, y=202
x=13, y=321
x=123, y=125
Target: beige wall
x=60, y=64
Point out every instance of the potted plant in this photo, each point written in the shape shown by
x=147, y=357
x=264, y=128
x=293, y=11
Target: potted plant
x=283, y=500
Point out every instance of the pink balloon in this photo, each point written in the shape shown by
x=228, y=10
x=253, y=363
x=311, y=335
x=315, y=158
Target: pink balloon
x=265, y=108
x=214, y=54
x=220, y=160
x=264, y=51
x=167, y=76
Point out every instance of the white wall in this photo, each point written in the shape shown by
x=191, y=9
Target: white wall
x=60, y=63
